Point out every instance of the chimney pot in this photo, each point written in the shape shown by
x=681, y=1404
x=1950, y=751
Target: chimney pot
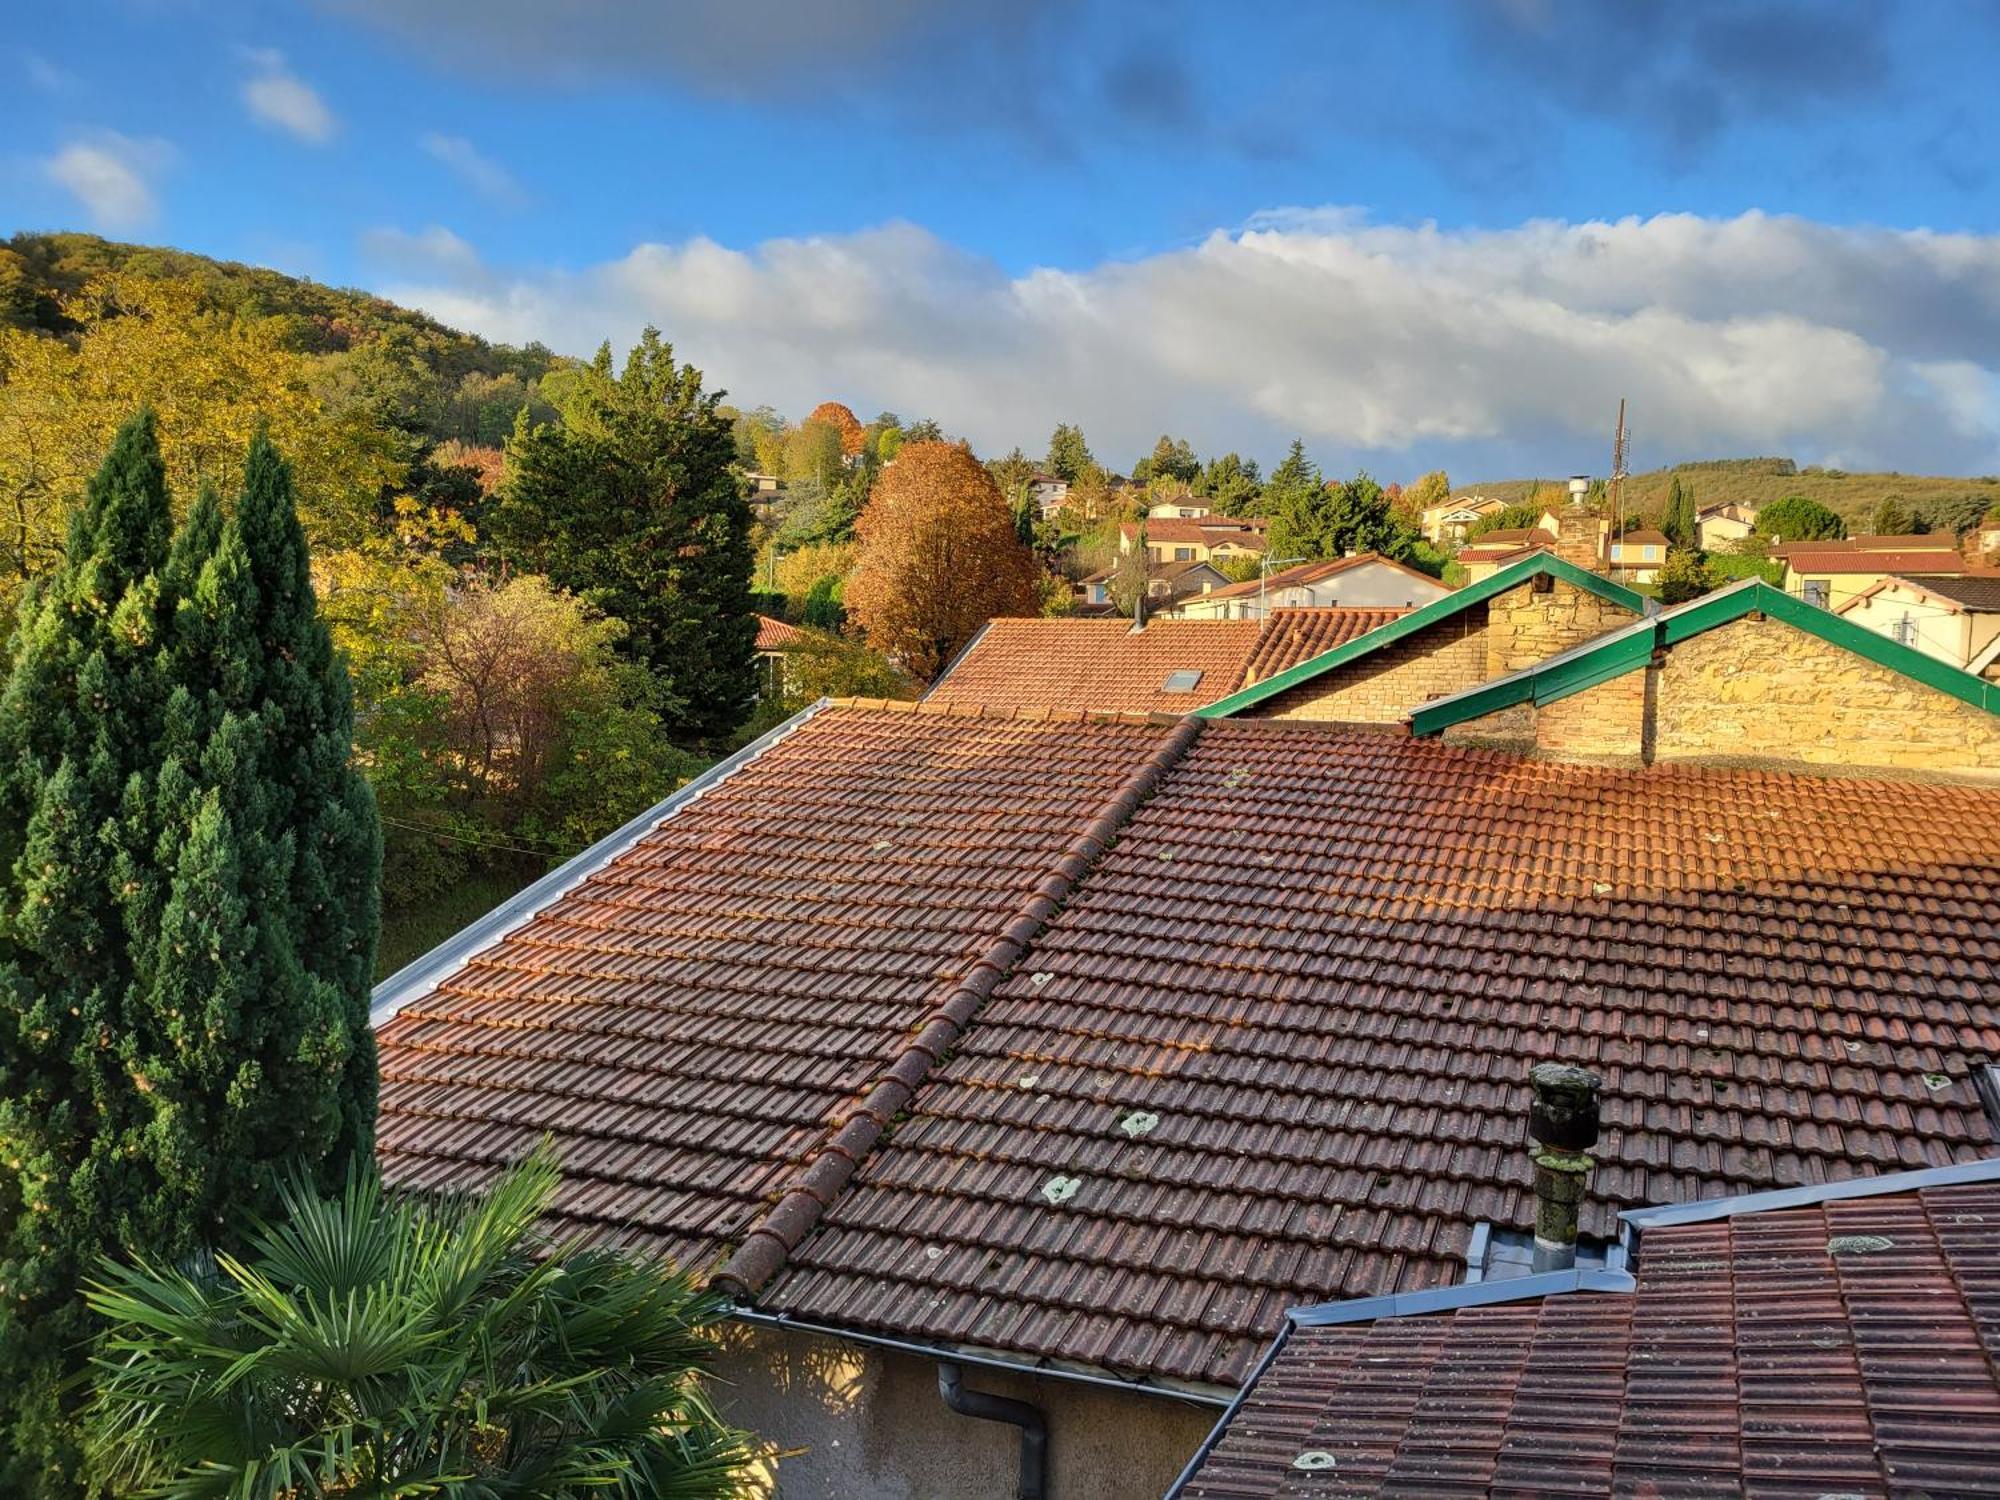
x=1563, y=1125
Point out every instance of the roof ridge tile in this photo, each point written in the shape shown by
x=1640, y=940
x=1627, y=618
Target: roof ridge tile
x=771, y=1241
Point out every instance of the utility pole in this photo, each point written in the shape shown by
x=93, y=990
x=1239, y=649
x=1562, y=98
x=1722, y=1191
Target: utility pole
x=1264, y=567
x=1618, y=475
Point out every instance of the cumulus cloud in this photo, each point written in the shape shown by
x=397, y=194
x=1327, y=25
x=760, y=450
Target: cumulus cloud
x=478, y=171
x=278, y=97
x=1754, y=334
x=112, y=176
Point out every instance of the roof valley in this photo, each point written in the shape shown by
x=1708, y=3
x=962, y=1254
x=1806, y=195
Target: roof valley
x=769, y=1244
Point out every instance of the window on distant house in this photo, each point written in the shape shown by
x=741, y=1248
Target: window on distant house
x=1183, y=554
x=1651, y=553
x=1906, y=631
x=1181, y=682
x=1816, y=591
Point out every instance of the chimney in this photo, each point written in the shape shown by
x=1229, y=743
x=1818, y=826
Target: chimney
x=1576, y=529
x=1562, y=1127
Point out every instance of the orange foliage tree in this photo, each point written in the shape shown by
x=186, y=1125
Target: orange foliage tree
x=838, y=417
x=938, y=558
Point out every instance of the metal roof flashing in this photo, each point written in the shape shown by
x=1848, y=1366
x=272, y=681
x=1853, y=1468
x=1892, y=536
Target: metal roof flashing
x=421, y=976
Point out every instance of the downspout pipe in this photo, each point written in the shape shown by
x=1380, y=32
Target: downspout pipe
x=987, y=1407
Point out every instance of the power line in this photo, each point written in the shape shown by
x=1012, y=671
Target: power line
x=550, y=852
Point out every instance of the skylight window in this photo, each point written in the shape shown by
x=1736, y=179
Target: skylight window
x=1181, y=682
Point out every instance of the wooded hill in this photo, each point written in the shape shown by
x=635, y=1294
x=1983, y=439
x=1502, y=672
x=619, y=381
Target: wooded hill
x=1759, y=481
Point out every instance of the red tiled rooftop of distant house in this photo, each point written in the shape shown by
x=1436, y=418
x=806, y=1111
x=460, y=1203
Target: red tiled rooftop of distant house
x=776, y=635
x=1099, y=665
x=1207, y=531
x=1644, y=537
x=1313, y=573
x=1517, y=536
x=1844, y=1347
x=1501, y=555
x=687, y=1021
x=1804, y=559
x=1920, y=541
x=1294, y=635
x=1270, y=1048
x=1278, y=1039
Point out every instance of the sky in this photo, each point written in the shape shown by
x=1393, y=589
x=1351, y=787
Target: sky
x=1415, y=233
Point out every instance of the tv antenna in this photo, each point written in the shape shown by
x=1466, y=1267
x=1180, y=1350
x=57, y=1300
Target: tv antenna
x=1618, y=475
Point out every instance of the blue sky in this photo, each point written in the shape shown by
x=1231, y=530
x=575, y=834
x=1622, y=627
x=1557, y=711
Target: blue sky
x=1443, y=231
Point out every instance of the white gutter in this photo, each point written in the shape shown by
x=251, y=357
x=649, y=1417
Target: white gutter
x=421, y=976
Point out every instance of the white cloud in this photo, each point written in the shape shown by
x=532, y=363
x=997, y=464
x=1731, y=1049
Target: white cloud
x=112, y=176
x=431, y=251
x=47, y=76
x=480, y=172
x=279, y=97
x=1755, y=334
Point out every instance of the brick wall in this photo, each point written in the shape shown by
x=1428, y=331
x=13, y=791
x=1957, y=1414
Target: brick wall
x=1383, y=686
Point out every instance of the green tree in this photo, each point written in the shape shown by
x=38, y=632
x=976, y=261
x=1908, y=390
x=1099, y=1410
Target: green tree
x=1332, y=520
x=1231, y=484
x=188, y=912
x=1679, y=518
x=1892, y=516
x=1427, y=490
x=1685, y=575
x=629, y=503
x=822, y=609
x=373, y=1347
x=1798, y=519
x=1508, y=518
x=1172, y=461
x=1069, y=454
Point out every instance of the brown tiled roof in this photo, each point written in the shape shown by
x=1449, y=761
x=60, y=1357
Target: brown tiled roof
x=1805, y=559
x=1212, y=531
x=1295, y=635
x=1098, y=664
x=1517, y=536
x=1645, y=537
x=1274, y=1048
x=693, y=1021
x=1317, y=572
x=776, y=635
x=1979, y=592
x=1840, y=1348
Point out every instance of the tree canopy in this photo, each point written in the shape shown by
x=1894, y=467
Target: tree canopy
x=1797, y=519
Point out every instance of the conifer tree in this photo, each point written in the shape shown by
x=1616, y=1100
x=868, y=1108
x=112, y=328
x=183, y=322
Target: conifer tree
x=187, y=909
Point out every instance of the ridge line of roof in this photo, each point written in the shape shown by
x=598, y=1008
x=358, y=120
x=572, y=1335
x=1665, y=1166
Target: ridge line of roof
x=424, y=974
x=839, y=1154
x=1042, y=713
x=952, y=665
x=1429, y=614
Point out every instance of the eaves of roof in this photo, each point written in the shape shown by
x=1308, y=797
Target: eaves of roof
x=1417, y=619
x=420, y=976
x=1621, y=651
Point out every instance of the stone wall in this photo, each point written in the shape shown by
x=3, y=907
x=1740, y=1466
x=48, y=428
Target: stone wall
x=1383, y=686
x=1766, y=690
x=839, y=1420
x=1525, y=627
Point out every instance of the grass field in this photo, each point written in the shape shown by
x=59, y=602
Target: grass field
x=1759, y=481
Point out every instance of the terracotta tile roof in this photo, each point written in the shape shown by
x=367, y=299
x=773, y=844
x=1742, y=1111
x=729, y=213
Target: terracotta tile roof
x=1274, y=1048
x=1212, y=531
x=776, y=635
x=1804, y=559
x=1317, y=572
x=1517, y=536
x=1645, y=537
x=1835, y=1348
x=692, y=1021
x=1500, y=554
x=1295, y=635
x=1098, y=664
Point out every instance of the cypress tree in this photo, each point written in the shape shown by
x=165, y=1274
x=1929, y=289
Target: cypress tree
x=188, y=908
x=78, y=720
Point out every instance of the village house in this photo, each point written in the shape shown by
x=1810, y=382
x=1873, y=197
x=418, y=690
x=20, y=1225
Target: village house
x=776, y=640
x=1055, y=1057
x=1831, y=573
x=1049, y=491
x=1210, y=539
x=1448, y=521
x=1957, y=620
x=1637, y=556
x=1366, y=580
x=1725, y=523
x=1180, y=507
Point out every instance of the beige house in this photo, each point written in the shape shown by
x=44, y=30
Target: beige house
x=1957, y=620
x=1211, y=539
x=1365, y=581
x=1829, y=574
x=1726, y=522
x=1448, y=521
x=1638, y=556
x=1181, y=507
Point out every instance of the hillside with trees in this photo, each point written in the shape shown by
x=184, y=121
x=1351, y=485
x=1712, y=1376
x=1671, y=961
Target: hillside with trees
x=1937, y=501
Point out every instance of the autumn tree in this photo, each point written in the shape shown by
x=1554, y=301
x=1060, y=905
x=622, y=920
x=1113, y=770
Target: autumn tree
x=853, y=436
x=1433, y=488
x=938, y=558
x=629, y=502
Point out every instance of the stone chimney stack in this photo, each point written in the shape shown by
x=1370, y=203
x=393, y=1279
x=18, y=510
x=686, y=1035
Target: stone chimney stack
x=1562, y=1127
x=1577, y=535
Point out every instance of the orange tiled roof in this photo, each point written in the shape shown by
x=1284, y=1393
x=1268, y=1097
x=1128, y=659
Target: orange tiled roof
x=1810, y=559
x=776, y=635
x=1316, y=572
x=1270, y=995
x=1098, y=664
x=1837, y=1348
x=1295, y=635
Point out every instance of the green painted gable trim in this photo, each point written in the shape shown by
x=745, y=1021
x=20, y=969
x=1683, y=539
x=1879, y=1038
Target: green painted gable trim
x=1623, y=650
x=1545, y=564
